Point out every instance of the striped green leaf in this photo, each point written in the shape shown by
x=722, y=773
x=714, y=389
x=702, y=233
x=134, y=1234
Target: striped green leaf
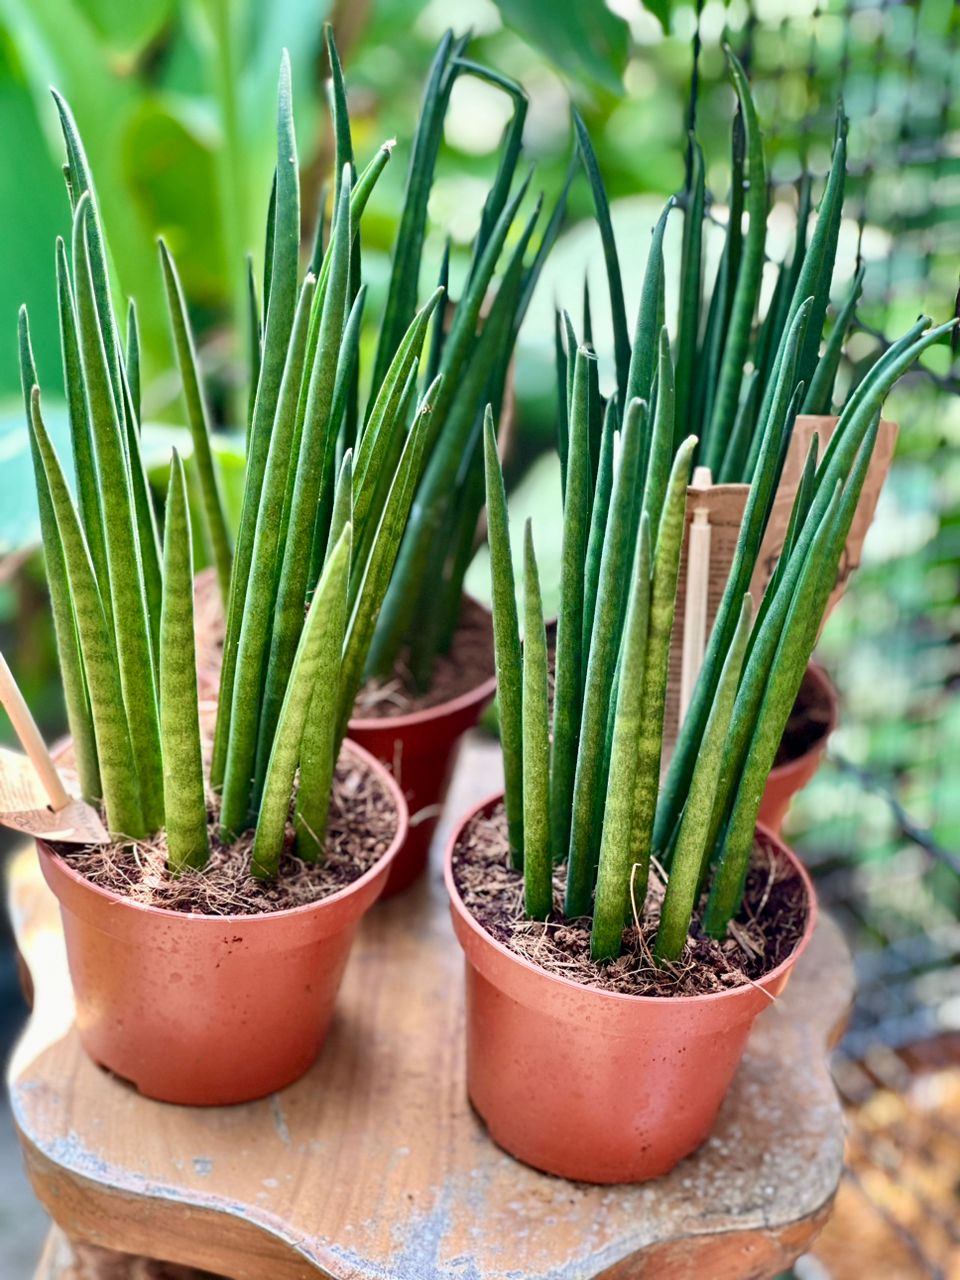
x=198, y=420
x=506, y=641
x=318, y=652
x=123, y=543
x=185, y=803
x=115, y=748
x=537, y=858
x=615, y=870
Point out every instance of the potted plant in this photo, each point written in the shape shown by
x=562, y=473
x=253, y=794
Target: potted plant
x=207, y=938
x=620, y=938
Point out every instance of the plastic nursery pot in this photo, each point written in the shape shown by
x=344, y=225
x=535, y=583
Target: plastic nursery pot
x=820, y=699
x=421, y=749
x=593, y=1085
x=208, y=1010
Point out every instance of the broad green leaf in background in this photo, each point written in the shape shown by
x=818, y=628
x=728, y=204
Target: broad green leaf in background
x=581, y=37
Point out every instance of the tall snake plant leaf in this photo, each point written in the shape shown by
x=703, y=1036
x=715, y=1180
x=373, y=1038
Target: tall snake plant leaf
x=256, y=625
x=660, y=453
x=509, y=149
x=319, y=745
x=748, y=280
x=691, y=847
x=76, y=697
x=80, y=184
x=145, y=519
x=819, y=397
x=295, y=565
x=402, y=293
x=599, y=659
x=506, y=641
x=132, y=359
x=537, y=859
x=663, y=597
x=603, y=488
x=568, y=684
x=816, y=272
x=643, y=357
x=81, y=434
x=185, y=805
x=254, y=343
x=318, y=654
x=341, y=115
x=115, y=749
x=612, y=899
x=128, y=599
x=280, y=296
x=198, y=420
x=618, y=310
x=691, y=276
x=721, y=298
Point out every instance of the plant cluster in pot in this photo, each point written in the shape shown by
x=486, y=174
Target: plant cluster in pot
x=207, y=939
x=621, y=936
x=727, y=352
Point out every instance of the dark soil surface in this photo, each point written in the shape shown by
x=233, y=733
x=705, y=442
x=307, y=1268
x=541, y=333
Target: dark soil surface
x=362, y=824
x=768, y=928
x=468, y=664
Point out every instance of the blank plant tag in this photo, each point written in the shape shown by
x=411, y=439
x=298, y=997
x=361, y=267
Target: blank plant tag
x=721, y=507
x=24, y=806
x=804, y=427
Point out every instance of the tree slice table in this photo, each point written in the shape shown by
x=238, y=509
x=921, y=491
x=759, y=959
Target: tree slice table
x=374, y=1167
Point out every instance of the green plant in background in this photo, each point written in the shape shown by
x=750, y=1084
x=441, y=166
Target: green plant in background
x=471, y=348
x=599, y=778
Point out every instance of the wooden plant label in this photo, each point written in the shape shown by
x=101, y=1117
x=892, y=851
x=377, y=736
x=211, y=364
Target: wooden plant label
x=24, y=806
x=804, y=427
x=720, y=508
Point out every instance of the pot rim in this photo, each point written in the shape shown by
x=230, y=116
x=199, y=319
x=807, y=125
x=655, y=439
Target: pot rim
x=831, y=698
x=480, y=693
x=622, y=997
x=379, y=867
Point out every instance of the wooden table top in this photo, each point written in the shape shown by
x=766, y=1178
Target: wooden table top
x=374, y=1167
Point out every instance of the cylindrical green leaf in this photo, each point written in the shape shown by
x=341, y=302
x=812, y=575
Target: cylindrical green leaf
x=316, y=650
x=185, y=803
x=537, y=859
x=506, y=642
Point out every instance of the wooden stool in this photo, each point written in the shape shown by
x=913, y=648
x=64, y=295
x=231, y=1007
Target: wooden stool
x=374, y=1167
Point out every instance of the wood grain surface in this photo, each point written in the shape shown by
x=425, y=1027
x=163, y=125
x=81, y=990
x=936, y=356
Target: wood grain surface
x=374, y=1167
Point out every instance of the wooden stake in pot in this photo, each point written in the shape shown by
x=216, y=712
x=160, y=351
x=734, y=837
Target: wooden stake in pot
x=25, y=727
x=695, y=605
x=22, y=806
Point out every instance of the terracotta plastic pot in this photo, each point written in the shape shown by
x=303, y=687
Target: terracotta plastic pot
x=207, y=1010
x=593, y=1085
x=787, y=779
x=421, y=750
